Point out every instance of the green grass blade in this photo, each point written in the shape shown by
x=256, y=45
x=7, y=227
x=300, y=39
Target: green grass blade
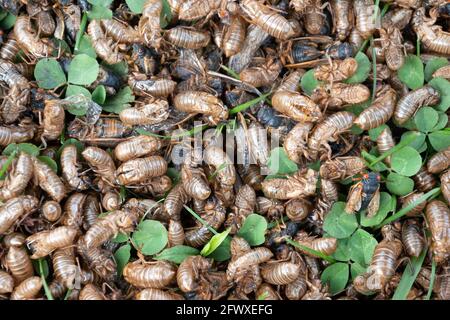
x=151, y=207
x=432, y=279
x=7, y=163
x=399, y=145
x=263, y=296
x=214, y=243
x=275, y=223
x=68, y=294
x=248, y=104
x=311, y=251
x=151, y=134
x=385, y=9
x=214, y=174
x=196, y=216
x=231, y=72
x=191, y=132
x=47, y=291
x=219, y=129
x=418, y=46
x=363, y=46
x=408, y=278
x=374, y=70
x=412, y=205
x=184, y=134
x=81, y=31
x=375, y=12
x=62, y=137
x=366, y=42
